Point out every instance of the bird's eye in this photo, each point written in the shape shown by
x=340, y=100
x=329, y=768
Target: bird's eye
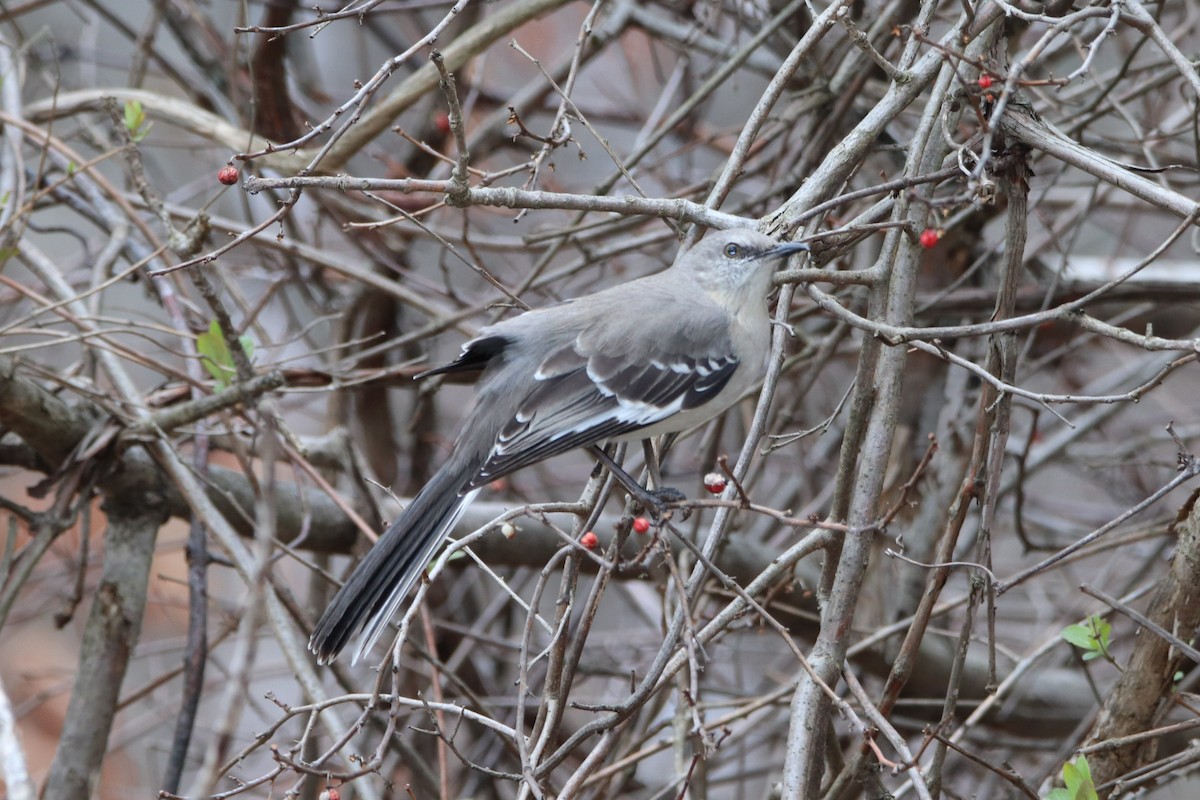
x=732, y=250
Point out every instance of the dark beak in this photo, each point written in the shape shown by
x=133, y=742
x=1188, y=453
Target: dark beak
x=784, y=250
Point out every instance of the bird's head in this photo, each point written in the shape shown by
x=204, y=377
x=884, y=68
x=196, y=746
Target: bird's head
x=735, y=266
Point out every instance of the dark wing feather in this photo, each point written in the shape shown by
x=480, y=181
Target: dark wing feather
x=475, y=356
x=579, y=400
x=684, y=379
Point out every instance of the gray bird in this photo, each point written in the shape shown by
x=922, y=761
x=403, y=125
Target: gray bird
x=655, y=355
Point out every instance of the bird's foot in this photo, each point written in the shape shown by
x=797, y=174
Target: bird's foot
x=662, y=503
x=657, y=502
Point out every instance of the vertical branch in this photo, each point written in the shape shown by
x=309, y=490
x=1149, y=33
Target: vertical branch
x=109, y=638
x=894, y=299
x=991, y=439
x=1145, y=684
x=459, y=174
x=196, y=657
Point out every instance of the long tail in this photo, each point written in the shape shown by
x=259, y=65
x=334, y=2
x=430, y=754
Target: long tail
x=381, y=581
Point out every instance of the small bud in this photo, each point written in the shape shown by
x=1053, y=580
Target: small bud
x=228, y=175
x=929, y=238
x=641, y=525
x=985, y=81
x=509, y=531
x=590, y=540
x=714, y=482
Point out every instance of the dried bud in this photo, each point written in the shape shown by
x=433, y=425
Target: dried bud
x=509, y=531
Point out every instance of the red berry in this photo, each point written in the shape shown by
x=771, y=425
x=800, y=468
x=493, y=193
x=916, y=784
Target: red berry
x=590, y=540
x=441, y=121
x=641, y=525
x=228, y=175
x=929, y=237
x=714, y=482
x=985, y=81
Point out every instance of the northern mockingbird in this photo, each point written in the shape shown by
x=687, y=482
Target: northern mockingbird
x=654, y=355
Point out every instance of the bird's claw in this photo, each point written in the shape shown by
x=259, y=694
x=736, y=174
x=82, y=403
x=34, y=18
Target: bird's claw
x=658, y=503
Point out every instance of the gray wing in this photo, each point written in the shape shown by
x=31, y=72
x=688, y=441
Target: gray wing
x=597, y=388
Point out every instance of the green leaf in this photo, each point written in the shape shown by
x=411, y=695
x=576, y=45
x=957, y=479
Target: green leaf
x=1077, y=775
x=135, y=115
x=135, y=121
x=1093, y=636
x=1078, y=635
x=215, y=355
